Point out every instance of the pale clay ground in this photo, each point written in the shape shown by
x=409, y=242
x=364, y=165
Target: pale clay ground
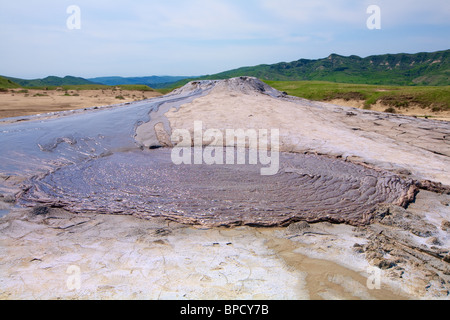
x=57, y=255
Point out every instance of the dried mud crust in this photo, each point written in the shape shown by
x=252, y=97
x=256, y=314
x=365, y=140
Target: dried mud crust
x=401, y=240
x=147, y=184
x=410, y=247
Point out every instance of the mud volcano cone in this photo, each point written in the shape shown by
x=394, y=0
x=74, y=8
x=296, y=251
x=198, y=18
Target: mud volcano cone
x=335, y=164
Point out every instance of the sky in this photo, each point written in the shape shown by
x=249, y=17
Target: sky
x=199, y=37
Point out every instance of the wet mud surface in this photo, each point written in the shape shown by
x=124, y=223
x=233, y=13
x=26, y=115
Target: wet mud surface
x=147, y=184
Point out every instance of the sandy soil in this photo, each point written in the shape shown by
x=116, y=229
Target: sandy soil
x=19, y=102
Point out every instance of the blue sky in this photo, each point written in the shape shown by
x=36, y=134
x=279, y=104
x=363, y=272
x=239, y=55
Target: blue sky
x=197, y=37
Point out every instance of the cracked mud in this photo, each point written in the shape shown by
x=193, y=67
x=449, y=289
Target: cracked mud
x=147, y=184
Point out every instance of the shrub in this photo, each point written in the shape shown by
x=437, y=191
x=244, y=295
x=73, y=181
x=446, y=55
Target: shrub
x=390, y=110
x=437, y=108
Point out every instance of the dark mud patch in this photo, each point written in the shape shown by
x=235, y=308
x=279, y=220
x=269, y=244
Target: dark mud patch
x=147, y=184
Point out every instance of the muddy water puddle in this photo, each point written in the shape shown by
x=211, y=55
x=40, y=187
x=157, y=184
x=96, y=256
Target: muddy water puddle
x=328, y=280
x=148, y=184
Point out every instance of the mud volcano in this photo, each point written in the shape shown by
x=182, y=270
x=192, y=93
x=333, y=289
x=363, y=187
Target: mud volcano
x=99, y=160
x=103, y=161
x=147, y=184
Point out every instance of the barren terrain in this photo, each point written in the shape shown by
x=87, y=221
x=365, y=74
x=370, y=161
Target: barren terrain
x=25, y=102
x=52, y=230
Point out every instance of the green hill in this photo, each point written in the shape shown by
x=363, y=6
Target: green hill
x=435, y=98
x=431, y=69
x=155, y=82
x=7, y=83
x=50, y=81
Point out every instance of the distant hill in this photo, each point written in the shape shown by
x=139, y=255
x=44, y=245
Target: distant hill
x=425, y=68
x=389, y=69
x=156, y=82
x=7, y=83
x=50, y=81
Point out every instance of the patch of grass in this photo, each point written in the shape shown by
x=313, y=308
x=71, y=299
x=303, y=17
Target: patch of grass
x=399, y=101
x=142, y=88
x=120, y=97
x=392, y=96
x=7, y=83
x=437, y=108
x=166, y=90
x=131, y=87
x=347, y=96
x=135, y=87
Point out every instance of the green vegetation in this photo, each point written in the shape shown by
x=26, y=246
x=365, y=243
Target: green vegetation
x=7, y=83
x=66, y=83
x=73, y=87
x=135, y=87
x=142, y=83
x=396, y=80
x=76, y=87
x=49, y=81
x=156, y=82
x=96, y=87
x=430, y=69
x=436, y=98
x=168, y=90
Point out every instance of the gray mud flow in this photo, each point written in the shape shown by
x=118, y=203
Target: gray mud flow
x=36, y=145
x=147, y=184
